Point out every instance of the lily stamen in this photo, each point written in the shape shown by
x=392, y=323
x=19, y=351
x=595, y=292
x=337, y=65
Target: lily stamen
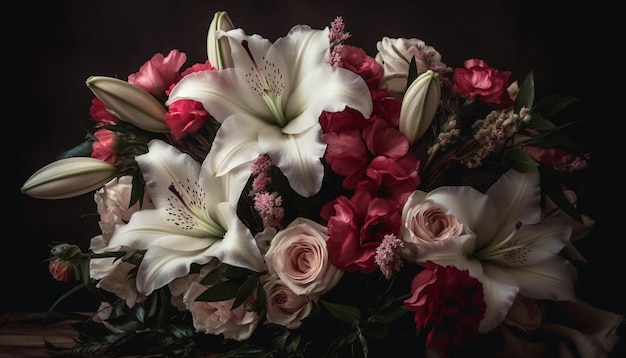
x=183, y=217
x=501, y=248
x=270, y=89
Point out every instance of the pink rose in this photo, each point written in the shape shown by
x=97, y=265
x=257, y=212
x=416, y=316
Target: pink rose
x=284, y=307
x=424, y=223
x=117, y=277
x=525, y=314
x=112, y=202
x=488, y=85
x=298, y=256
x=185, y=116
x=104, y=148
x=395, y=55
x=102, y=315
x=217, y=317
x=61, y=270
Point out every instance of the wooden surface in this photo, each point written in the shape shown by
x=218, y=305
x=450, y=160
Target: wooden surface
x=19, y=338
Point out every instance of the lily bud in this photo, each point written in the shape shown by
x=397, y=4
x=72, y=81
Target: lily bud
x=69, y=177
x=419, y=105
x=130, y=103
x=218, y=49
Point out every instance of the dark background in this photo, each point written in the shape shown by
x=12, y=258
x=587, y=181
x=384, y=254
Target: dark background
x=61, y=43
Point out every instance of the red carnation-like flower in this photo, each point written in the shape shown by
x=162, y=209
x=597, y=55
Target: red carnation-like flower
x=447, y=302
x=486, y=84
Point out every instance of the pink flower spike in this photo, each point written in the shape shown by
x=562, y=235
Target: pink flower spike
x=388, y=255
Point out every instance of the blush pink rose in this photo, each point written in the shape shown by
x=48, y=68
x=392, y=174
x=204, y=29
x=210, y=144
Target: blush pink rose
x=525, y=314
x=425, y=224
x=486, y=84
x=298, y=256
x=284, y=307
x=113, y=204
x=218, y=317
x=117, y=277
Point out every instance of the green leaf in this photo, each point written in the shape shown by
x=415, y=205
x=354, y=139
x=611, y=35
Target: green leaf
x=526, y=95
x=213, y=277
x=540, y=123
x=220, y=292
x=232, y=272
x=246, y=290
x=343, y=341
x=180, y=331
x=388, y=315
x=293, y=341
x=517, y=159
x=412, y=75
x=364, y=345
x=347, y=314
x=554, y=103
x=82, y=150
x=137, y=191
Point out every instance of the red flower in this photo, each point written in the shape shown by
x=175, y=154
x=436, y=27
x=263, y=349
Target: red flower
x=356, y=60
x=100, y=114
x=391, y=179
x=447, y=302
x=185, y=116
x=486, y=84
x=556, y=158
x=105, y=148
x=356, y=227
x=156, y=75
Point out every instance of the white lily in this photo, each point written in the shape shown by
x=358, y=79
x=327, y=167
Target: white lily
x=271, y=100
x=195, y=219
x=506, y=245
x=68, y=177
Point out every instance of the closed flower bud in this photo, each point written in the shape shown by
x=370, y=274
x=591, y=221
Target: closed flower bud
x=419, y=105
x=218, y=49
x=130, y=103
x=69, y=177
x=66, y=252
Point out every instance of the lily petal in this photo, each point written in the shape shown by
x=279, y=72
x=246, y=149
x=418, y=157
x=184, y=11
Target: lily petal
x=285, y=85
x=194, y=220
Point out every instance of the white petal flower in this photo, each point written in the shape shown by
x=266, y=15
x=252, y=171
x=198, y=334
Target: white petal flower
x=271, y=100
x=505, y=244
x=68, y=177
x=195, y=219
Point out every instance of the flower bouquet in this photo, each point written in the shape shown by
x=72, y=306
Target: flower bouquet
x=301, y=198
